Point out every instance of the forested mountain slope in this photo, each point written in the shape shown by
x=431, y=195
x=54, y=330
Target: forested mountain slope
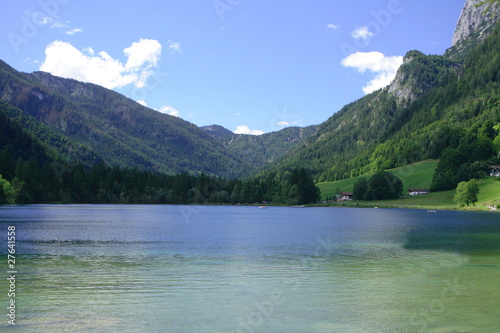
x=114, y=127
x=80, y=121
x=434, y=103
x=261, y=150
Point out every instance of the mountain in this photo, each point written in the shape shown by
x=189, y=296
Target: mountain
x=87, y=123
x=261, y=150
x=434, y=103
x=419, y=74
x=477, y=20
x=17, y=144
x=112, y=127
x=219, y=133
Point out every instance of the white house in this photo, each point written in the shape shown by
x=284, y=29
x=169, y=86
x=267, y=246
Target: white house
x=346, y=196
x=495, y=171
x=418, y=191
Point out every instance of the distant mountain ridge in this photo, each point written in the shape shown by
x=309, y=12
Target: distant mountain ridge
x=264, y=149
x=119, y=130
x=97, y=122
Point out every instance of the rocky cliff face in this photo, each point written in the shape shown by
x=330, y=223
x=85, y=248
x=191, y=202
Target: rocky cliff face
x=476, y=21
x=419, y=74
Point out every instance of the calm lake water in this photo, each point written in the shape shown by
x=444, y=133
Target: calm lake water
x=112, y=268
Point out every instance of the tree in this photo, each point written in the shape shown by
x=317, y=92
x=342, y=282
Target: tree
x=447, y=174
x=496, y=140
x=7, y=195
x=19, y=191
x=3, y=197
x=306, y=191
x=385, y=185
x=472, y=191
x=466, y=193
x=360, y=189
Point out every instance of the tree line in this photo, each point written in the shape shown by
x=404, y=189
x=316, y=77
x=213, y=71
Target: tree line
x=59, y=182
x=31, y=173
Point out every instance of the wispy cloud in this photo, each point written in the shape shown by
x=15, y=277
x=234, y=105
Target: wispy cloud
x=59, y=25
x=283, y=123
x=242, y=129
x=333, y=27
x=167, y=109
x=174, y=47
x=31, y=61
x=384, y=67
x=73, y=31
x=63, y=59
x=41, y=19
x=362, y=33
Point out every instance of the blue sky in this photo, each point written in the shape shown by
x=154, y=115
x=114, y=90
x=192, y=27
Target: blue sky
x=251, y=66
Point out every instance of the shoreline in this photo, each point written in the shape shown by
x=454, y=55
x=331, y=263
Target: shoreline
x=344, y=204
x=352, y=204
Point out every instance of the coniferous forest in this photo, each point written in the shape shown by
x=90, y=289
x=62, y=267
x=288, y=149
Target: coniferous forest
x=30, y=175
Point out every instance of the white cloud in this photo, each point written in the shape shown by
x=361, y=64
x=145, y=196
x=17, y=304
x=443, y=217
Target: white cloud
x=89, y=51
x=73, y=31
x=145, y=52
x=333, y=27
x=385, y=68
x=242, y=129
x=174, y=47
x=167, y=109
x=142, y=102
x=63, y=59
x=283, y=123
x=362, y=33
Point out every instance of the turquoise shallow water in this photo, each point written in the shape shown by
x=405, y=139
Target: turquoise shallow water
x=88, y=268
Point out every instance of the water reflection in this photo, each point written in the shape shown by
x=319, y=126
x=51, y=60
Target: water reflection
x=463, y=233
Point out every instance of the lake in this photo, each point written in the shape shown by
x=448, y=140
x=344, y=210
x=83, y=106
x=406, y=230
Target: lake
x=113, y=268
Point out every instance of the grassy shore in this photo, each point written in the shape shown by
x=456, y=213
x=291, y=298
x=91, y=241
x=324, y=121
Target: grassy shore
x=418, y=175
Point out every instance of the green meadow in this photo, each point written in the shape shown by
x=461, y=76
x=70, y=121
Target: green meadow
x=417, y=175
